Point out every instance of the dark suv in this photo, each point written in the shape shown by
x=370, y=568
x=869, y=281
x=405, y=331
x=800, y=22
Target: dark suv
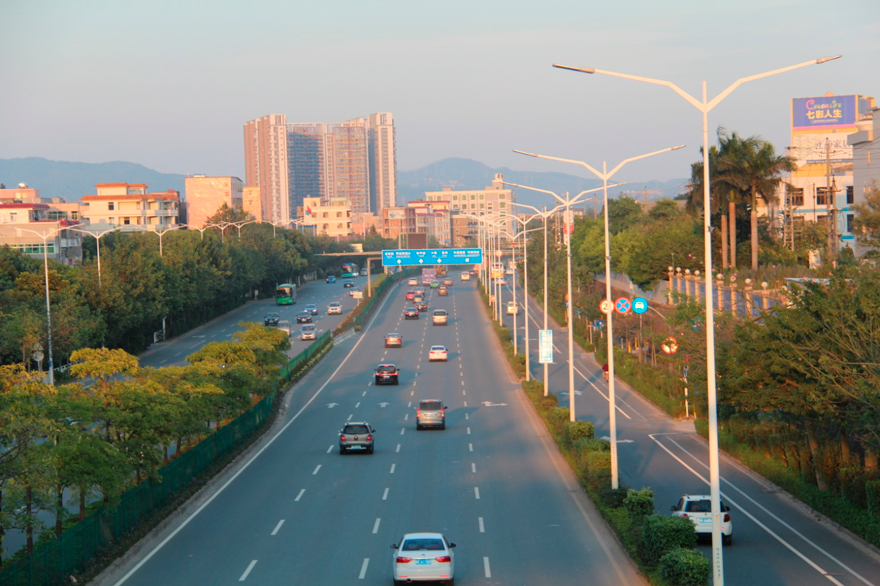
x=356, y=435
x=271, y=319
x=387, y=374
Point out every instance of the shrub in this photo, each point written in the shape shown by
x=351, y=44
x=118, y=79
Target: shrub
x=662, y=534
x=558, y=416
x=577, y=430
x=685, y=567
x=639, y=503
x=584, y=446
x=613, y=497
x=597, y=471
x=872, y=490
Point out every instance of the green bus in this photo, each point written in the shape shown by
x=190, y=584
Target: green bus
x=349, y=270
x=285, y=294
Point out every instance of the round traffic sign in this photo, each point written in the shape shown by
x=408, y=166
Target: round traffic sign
x=640, y=305
x=605, y=307
x=622, y=305
x=670, y=345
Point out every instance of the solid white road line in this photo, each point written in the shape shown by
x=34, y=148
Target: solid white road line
x=248, y=571
x=364, y=568
x=486, y=567
x=277, y=527
x=376, y=525
x=299, y=496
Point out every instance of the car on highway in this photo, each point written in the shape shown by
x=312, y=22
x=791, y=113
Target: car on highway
x=412, y=282
x=311, y=308
x=334, y=307
x=698, y=508
x=356, y=293
x=284, y=326
x=393, y=340
x=271, y=319
x=512, y=308
x=308, y=332
x=387, y=374
x=437, y=353
x=421, y=306
x=443, y=291
x=304, y=317
x=410, y=295
x=440, y=317
x=420, y=292
x=509, y=272
x=447, y=282
x=364, y=272
x=423, y=557
x=331, y=279
x=465, y=275
x=356, y=435
x=418, y=298
x=434, y=284
x=411, y=313
x=430, y=413
x=348, y=283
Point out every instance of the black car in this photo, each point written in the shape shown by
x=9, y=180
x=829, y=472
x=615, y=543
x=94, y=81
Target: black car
x=311, y=308
x=304, y=317
x=387, y=374
x=410, y=313
x=348, y=283
x=422, y=306
x=271, y=319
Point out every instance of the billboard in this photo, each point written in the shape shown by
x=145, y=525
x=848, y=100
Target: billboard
x=826, y=112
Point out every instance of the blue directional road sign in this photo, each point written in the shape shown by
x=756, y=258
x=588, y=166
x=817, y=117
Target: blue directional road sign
x=432, y=256
x=640, y=305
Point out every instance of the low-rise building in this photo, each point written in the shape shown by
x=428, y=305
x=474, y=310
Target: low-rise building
x=129, y=204
x=333, y=219
x=26, y=227
x=206, y=195
x=493, y=199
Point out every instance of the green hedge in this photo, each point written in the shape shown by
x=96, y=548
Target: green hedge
x=685, y=567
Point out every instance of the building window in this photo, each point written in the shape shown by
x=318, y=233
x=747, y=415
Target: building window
x=502, y=205
x=482, y=195
x=796, y=197
x=849, y=223
x=454, y=198
x=473, y=196
x=126, y=221
x=822, y=196
x=850, y=195
x=502, y=196
x=111, y=206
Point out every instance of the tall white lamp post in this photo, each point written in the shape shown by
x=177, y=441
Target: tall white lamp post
x=97, y=236
x=705, y=106
x=605, y=175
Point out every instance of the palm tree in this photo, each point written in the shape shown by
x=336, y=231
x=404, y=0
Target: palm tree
x=751, y=167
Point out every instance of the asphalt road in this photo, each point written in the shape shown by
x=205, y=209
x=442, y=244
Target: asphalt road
x=295, y=511
x=776, y=540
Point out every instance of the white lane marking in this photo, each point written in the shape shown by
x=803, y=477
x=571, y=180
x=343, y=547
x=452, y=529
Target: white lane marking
x=350, y=416
x=463, y=392
x=482, y=528
x=364, y=568
x=409, y=404
x=277, y=527
x=398, y=448
x=778, y=538
x=316, y=470
x=365, y=394
x=462, y=383
x=376, y=525
x=406, y=417
x=392, y=468
x=248, y=571
x=402, y=429
x=473, y=468
x=477, y=492
x=330, y=449
x=469, y=431
x=486, y=567
x=299, y=496
x=470, y=447
x=163, y=361
x=411, y=393
x=385, y=495
x=358, y=404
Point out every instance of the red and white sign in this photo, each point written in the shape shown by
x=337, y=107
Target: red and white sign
x=606, y=306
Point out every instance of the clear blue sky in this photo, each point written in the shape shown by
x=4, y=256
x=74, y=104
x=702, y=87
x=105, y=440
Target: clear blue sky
x=169, y=83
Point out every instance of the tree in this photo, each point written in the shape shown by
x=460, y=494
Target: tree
x=867, y=221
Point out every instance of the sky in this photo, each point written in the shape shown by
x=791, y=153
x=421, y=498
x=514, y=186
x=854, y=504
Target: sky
x=169, y=84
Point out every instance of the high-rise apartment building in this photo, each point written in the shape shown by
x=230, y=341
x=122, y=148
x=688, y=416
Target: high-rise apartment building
x=354, y=160
x=266, y=164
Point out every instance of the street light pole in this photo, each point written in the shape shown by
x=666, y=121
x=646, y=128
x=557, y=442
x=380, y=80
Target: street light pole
x=605, y=175
x=705, y=106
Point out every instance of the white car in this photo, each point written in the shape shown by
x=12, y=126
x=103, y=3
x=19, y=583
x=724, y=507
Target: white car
x=465, y=276
x=423, y=557
x=308, y=332
x=334, y=308
x=437, y=353
x=412, y=282
x=284, y=326
x=698, y=508
x=439, y=317
x=512, y=308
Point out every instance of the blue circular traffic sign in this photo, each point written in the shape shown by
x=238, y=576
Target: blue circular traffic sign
x=640, y=305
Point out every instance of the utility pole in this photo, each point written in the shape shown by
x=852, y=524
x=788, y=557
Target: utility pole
x=830, y=206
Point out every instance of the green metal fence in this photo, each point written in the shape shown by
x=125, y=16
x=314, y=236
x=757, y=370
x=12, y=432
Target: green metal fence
x=52, y=561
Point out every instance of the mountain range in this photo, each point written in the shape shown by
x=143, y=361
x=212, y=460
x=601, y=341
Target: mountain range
x=70, y=181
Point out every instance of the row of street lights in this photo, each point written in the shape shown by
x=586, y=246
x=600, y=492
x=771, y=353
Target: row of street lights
x=704, y=106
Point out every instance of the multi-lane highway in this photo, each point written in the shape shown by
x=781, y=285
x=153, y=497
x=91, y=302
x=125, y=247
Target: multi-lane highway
x=295, y=511
x=776, y=540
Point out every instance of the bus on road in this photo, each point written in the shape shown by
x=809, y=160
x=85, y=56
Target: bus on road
x=285, y=294
x=350, y=270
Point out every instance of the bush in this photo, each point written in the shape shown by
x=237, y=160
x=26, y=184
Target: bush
x=662, y=534
x=597, y=471
x=613, y=497
x=685, y=567
x=872, y=490
x=577, y=430
x=558, y=416
x=584, y=446
x=639, y=503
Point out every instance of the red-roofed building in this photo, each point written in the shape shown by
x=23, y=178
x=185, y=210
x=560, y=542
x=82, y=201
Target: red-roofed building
x=129, y=204
x=26, y=227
